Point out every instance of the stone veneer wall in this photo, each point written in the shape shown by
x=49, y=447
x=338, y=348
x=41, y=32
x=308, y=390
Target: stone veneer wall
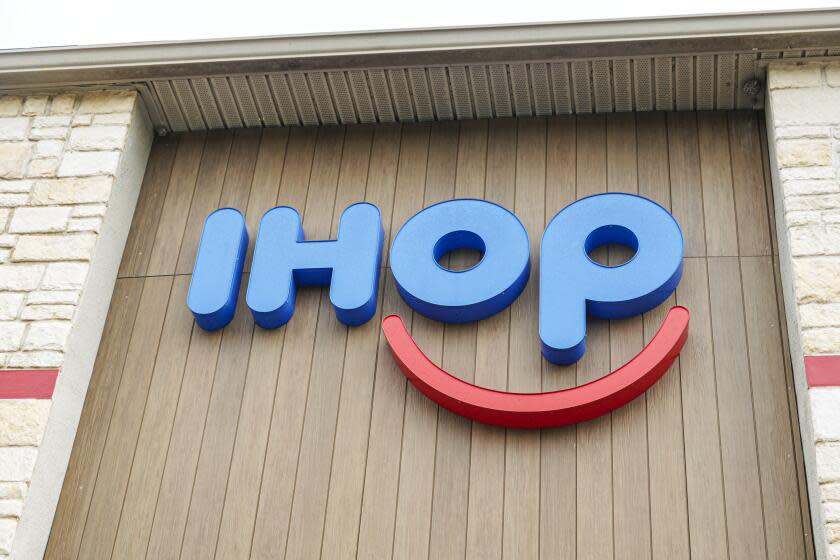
x=61, y=158
x=803, y=121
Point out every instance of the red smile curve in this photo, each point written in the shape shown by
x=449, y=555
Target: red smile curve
x=540, y=410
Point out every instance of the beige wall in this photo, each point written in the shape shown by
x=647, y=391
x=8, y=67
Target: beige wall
x=63, y=163
x=803, y=106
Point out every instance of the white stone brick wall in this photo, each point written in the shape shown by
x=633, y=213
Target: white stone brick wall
x=803, y=106
x=59, y=156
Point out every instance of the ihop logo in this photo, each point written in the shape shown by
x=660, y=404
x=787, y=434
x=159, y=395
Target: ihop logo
x=571, y=287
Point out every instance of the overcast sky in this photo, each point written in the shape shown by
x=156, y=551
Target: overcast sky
x=40, y=23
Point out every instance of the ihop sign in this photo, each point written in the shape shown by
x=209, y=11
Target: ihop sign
x=571, y=287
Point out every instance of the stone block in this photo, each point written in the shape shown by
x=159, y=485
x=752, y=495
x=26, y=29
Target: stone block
x=10, y=303
x=98, y=138
x=40, y=219
x=832, y=75
x=794, y=107
x=803, y=132
x=10, y=105
x=85, y=164
x=47, y=248
x=788, y=75
x=62, y=104
x=65, y=276
x=85, y=224
x=42, y=167
x=13, y=159
x=11, y=508
x=803, y=153
x=52, y=121
x=107, y=102
x=14, y=128
x=16, y=186
x=11, y=335
x=13, y=490
x=70, y=297
x=82, y=120
x=46, y=335
x=825, y=410
x=819, y=315
x=71, y=190
x=58, y=133
x=35, y=105
x=814, y=202
x=16, y=463
x=8, y=526
x=49, y=148
x=45, y=359
x=115, y=118
x=807, y=187
x=815, y=239
x=20, y=277
x=89, y=210
x=824, y=340
x=13, y=200
x=47, y=312
x=22, y=421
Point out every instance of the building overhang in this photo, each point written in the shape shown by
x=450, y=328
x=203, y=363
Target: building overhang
x=670, y=63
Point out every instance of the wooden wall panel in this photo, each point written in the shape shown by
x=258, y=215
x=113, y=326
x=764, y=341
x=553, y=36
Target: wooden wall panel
x=306, y=441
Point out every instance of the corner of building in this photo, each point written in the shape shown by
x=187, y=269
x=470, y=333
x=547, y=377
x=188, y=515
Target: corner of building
x=71, y=165
x=803, y=126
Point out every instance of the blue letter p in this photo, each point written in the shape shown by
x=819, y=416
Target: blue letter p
x=572, y=285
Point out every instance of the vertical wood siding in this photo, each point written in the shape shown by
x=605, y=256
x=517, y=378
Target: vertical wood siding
x=306, y=441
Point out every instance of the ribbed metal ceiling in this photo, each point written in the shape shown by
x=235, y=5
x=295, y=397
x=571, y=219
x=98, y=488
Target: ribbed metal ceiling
x=427, y=93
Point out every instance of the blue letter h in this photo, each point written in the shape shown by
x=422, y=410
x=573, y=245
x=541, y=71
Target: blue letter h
x=283, y=260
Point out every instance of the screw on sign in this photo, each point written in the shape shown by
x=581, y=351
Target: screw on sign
x=572, y=286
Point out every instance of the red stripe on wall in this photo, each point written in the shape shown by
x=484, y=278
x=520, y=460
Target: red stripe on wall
x=822, y=371
x=27, y=383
